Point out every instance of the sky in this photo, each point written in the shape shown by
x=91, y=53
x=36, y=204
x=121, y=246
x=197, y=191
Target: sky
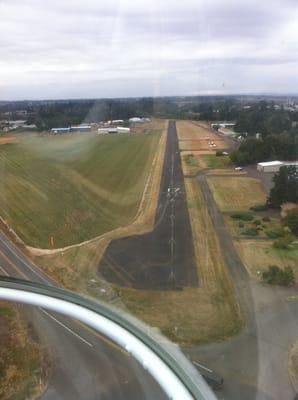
x=132, y=48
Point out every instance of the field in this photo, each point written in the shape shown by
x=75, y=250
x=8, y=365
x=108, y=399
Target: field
x=7, y=139
x=21, y=360
x=205, y=314
x=194, y=137
x=56, y=191
x=234, y=193
x=213, y=161
x=257, y=255
x=293, y=364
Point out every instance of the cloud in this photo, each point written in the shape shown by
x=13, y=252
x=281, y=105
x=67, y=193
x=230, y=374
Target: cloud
x=124, y=48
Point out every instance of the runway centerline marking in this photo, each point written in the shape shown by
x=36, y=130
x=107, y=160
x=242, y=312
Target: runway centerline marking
x=67, y=328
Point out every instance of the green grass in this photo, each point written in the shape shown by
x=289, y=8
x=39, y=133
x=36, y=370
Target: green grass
x=73, y=187
x=213, y=161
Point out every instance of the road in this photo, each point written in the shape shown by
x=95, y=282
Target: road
x=163, y=258
x=85, y=364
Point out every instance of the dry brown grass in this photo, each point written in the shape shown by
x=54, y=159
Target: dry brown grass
x=257, y=255
x=293, y=365
x=8, y=139
x=236, y=193
x=197, y=163
x=22, y=362
x=195, y=138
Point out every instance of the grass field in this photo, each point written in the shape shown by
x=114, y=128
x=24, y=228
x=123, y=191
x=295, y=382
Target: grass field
x=257, y=255
x=21, y=360
x=205, y=314
x=236, y=193
x=196, y=138
x=75, y=187
x=213, y=161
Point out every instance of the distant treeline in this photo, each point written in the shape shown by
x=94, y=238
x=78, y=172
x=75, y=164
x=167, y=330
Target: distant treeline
x=282, y=146
x=258, y=117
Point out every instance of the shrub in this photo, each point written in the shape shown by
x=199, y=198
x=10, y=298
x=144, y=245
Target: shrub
x=284, y=242
x=275, y=233
x=218, y=153
x=291, y=220
x=241, y=225
x=278, y=276
x=251, y=232
x=260, y=207
x=266, y=219
x=244, y=216
x=257, y=222
x=190, y=160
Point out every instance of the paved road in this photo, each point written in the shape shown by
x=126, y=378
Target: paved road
x=163, y=258
x=85, y=365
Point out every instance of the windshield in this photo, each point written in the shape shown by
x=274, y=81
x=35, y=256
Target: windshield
x=148, y=164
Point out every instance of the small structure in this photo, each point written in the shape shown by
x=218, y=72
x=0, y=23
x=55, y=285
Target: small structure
x=136, y=120
x=106, y=131
x=60, y=130
x=111, y=130
x=122, y=129
x=80, y=128
x=270, y=166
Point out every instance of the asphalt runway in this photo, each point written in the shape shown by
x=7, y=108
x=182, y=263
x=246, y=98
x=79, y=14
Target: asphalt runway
x=163, y=258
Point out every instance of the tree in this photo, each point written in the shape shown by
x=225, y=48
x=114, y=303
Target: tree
x=285, y=187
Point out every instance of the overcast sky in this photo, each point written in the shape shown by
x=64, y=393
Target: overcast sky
x=119, y=48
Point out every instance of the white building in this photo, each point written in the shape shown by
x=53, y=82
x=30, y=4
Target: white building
x=106, y=131
x=122, y=129
x=111, y=130
x=270, y=166
x=60, y=130
x=135, y=120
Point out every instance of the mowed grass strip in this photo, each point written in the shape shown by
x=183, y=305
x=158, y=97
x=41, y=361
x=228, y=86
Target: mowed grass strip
x=234, y=193
x=75, y=187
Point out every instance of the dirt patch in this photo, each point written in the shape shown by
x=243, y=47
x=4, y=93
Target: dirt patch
x=8, y=139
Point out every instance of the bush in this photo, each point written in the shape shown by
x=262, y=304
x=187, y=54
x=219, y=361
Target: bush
x=284, y=242
x=275, y=233
x=266, y=219
x=260, y=207
x=218, y=153
x=190, y=160
x=243, y=216
x=278, y=276
x=257, y=222
x=291, y=220
x=251, y=232
x=241, y=225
